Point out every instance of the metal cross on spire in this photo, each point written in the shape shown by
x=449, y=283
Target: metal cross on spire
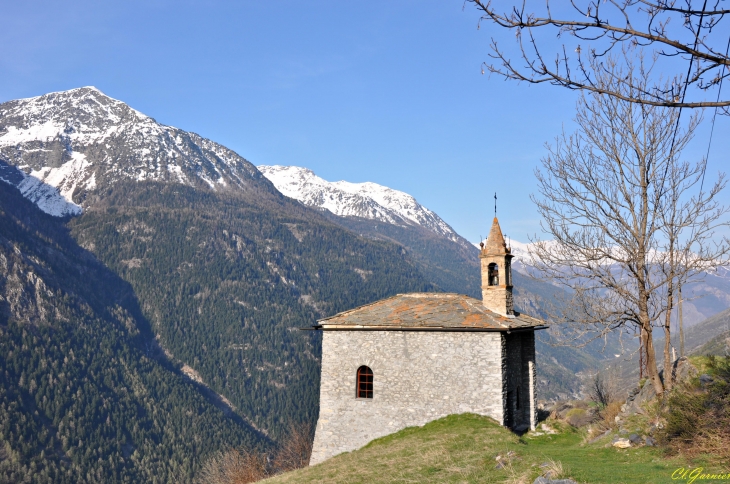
x=495, y=204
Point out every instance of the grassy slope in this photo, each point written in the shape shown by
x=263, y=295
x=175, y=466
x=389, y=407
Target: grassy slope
x=462, y=448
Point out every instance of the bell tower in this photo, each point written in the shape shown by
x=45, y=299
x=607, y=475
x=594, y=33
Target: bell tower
x=496, y=264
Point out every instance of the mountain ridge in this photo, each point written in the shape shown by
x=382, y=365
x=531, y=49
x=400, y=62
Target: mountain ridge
x=64, y=145
x=366, y=200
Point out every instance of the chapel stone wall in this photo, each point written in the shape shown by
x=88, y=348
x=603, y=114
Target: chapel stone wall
x=418, y=377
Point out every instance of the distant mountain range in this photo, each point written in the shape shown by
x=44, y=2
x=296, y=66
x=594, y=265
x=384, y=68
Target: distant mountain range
x=707, y=295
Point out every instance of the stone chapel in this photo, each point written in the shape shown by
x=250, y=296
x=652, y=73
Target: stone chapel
x=413, y=358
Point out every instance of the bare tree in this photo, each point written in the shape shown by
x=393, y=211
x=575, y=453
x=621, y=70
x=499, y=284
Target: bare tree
x=602, y=388
x=688, y=248
x=606, y=192
x=595, y=29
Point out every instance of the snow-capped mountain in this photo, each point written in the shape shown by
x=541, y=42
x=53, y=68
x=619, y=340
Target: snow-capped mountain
x=58, y=146
x=366, y=200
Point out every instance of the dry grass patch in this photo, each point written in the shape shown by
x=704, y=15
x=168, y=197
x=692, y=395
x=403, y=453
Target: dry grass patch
x=609, y=413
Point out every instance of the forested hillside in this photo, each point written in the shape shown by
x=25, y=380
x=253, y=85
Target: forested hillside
x=452, y=266
x=227, y=278
x=85, y=396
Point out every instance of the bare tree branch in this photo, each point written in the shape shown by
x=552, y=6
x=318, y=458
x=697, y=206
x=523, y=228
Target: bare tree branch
x=604, y=25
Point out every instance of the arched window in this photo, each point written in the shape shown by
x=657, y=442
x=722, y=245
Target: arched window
x=364, y=382
x=493, y=274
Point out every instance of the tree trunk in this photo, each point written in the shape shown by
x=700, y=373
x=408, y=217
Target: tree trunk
x=651, y=369
x=681, y=325
x=667, y=341
x=667, y=331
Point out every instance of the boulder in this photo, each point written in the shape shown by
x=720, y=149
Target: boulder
x=622, y=443
x=596, y=439
x=650, y=442
x=635, y=439
x=706, y=379
x=683, y=369
x=562, y=409
x=641, y=396
x=578, y=417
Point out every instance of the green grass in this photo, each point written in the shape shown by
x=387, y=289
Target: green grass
x=703, y=363
x=463, y=448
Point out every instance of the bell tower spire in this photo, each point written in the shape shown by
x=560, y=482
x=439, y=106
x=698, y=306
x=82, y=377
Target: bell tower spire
x=496, y=265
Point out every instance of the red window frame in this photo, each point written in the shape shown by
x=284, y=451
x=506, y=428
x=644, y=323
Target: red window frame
x=364, y=382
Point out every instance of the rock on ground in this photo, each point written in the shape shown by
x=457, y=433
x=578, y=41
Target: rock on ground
x=545, y=480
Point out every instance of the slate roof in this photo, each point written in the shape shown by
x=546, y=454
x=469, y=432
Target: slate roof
x=428, y=311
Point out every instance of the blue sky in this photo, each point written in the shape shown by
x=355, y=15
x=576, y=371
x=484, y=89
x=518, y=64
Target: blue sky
x=382, y=91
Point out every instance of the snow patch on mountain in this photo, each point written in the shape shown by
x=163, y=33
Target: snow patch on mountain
x=52, y=188
x=367, y=200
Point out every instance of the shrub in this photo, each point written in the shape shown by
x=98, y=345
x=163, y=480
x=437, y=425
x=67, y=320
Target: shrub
x=602, y=389
x=609, y=413
x=234, y=466
x=578, y=417
x=296, y=449
x=241, y=466
x=698, y=417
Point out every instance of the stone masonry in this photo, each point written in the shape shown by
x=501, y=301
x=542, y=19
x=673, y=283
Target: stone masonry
x=418, y=377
